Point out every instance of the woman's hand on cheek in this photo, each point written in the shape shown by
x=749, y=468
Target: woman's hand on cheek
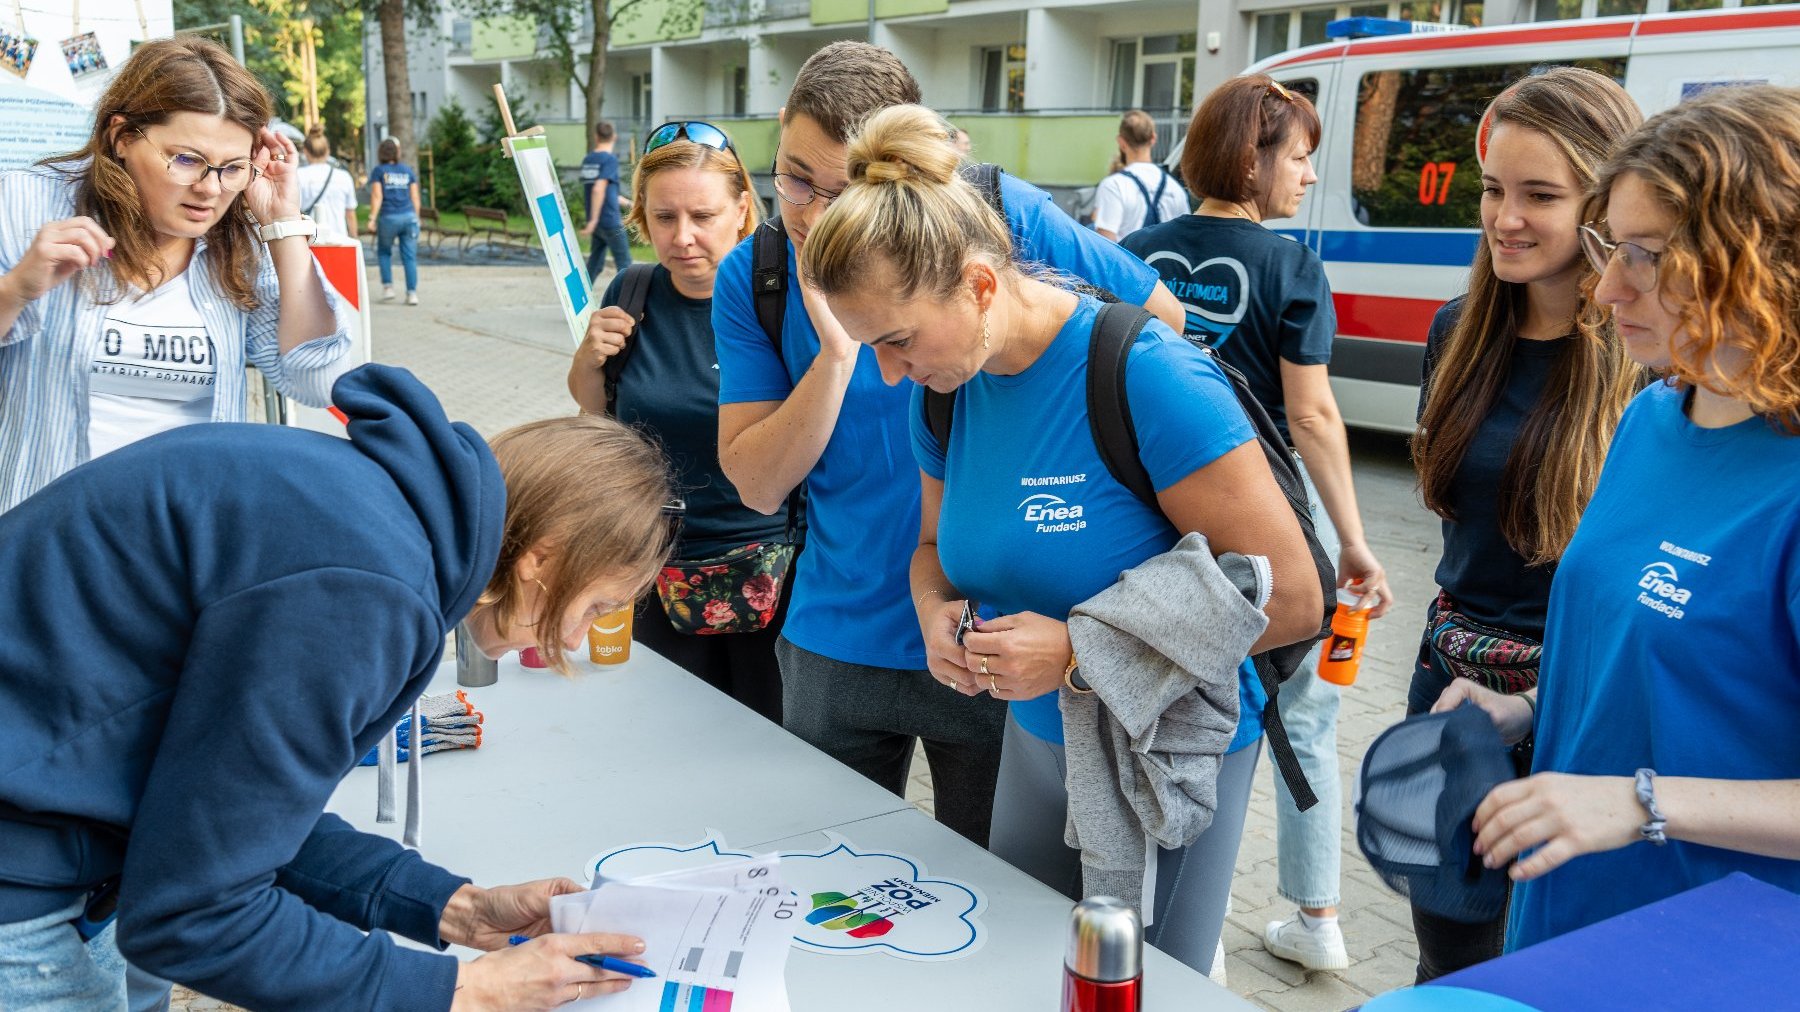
x=1026, y=655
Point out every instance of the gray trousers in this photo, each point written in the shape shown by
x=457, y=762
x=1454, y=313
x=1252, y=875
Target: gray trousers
x=1192, y=884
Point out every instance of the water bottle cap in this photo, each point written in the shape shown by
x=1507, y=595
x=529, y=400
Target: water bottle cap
x=1106, y=941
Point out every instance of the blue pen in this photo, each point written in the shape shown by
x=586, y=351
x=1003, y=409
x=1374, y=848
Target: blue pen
x=629, y=969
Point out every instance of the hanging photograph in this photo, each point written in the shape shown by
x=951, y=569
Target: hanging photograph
x=16, y=51
x=84, y=56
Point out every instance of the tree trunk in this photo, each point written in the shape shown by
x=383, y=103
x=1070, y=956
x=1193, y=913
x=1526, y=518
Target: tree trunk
x=399, y=84
x=596, y=89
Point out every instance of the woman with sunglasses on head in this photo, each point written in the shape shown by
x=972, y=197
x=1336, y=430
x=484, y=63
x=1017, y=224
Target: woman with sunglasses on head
x=1265, y=307
x=1521, y=394
x=139, y=274
x=719, y=607
x=1666, y=755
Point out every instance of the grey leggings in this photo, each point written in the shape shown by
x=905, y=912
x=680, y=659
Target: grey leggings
x=1192, y=884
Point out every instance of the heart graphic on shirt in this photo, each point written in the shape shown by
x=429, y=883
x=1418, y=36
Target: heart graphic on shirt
x=1210, y=283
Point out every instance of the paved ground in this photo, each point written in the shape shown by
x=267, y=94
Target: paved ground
x=493, y=346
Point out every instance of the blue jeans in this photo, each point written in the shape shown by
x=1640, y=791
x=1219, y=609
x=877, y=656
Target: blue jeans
x=607, y=240
x=1308, y=846
x=404, y=227
x=46, y=967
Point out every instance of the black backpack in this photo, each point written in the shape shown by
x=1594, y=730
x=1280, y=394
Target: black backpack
x=1152, y=205
x=634, y=297
x=1115, y=331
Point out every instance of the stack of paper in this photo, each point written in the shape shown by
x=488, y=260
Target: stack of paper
x=717, y=936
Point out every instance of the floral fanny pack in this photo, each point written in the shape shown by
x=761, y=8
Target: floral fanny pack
x=732, y=593
x=1502, y=661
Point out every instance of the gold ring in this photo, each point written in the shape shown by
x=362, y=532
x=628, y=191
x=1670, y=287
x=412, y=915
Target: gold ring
x=993, y=686
x=578, y=987
x=281, y=156
x=984, y=661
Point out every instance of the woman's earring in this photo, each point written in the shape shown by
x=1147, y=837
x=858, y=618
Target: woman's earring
x=984, y=330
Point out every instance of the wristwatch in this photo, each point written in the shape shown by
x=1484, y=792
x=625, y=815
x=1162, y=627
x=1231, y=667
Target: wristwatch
x=1646, y=795
x=301, y=225
x=1072, y=679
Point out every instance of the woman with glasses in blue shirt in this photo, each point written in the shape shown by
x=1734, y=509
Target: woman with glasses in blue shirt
x=140, y=273
x=718, y=613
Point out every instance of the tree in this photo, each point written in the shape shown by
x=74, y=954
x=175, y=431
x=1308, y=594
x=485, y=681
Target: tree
x=566, y=19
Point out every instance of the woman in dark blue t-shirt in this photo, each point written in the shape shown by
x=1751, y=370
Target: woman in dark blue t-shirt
x=394, y=205
x=1520, y=398
x=693, y=201
x=1019, y=511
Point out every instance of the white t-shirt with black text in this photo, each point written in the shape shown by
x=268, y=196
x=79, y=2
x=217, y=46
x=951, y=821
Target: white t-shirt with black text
x=155, y=368
x=1119, y=206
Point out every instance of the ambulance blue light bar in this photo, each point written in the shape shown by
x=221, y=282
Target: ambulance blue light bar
x=1362, y=28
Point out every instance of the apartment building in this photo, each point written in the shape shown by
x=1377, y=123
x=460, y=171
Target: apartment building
x=1038, y=84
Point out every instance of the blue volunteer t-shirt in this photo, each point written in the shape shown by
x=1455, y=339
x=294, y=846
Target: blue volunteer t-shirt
x=596, y=166
x=1032, y=520
x=395, y=180
x=1673, y=643
x=852, y=597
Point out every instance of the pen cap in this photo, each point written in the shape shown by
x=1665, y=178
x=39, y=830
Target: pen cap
x=1106, y=941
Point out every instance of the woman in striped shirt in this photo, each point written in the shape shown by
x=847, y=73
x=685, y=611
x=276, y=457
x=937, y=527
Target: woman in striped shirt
x=135, y=284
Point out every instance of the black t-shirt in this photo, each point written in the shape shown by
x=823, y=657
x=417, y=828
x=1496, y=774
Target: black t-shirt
x=1488, y=580
x=1256, y=297
x=670, y=388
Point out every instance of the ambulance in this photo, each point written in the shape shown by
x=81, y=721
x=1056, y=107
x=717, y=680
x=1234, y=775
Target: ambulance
x=1395, y=214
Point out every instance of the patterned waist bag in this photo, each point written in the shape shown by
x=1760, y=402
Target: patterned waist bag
x=1499, y=660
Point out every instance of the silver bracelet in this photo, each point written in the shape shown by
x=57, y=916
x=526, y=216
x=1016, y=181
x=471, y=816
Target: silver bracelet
x=1646, y=795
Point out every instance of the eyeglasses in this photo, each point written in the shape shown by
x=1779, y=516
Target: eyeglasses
x=800, y=192
x=674, y=512
x=189, y=169
x=1637, y=263
x=701, y=133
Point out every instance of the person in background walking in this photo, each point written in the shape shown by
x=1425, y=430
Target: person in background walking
x=1265, y=308
x=605, y=230
x=394, y=206
x=1523, y=388
x=1140, y=192
x=717, y=616
x=327, y=193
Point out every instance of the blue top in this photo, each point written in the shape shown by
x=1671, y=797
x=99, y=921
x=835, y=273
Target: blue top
x=396, y=180
x=1481, y=571
x=1032, y=520
x=670, y=387
x=46, y=358
x=1257, y=297
x=852, y=600
x=208, y=628
x=1673, y=644
x=596, y=166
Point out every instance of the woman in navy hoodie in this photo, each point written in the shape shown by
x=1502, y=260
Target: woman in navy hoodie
x=196, y=647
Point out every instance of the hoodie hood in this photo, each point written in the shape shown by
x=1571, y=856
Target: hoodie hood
x=444, y=469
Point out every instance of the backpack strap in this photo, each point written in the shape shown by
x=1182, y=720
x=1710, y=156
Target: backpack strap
x=634, y=295
x=985, y=177
x=1115, y=332
x=769, y=278
x=1116, y=328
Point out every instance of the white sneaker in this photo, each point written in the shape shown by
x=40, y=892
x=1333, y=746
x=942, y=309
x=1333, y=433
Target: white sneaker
x=1217, y=973
x=412, y=298
x=387, y=293
x=1320, y=948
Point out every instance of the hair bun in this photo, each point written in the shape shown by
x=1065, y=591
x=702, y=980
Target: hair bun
x=903, y=142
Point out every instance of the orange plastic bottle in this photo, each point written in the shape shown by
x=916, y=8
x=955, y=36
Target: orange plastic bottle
x=1343, y=648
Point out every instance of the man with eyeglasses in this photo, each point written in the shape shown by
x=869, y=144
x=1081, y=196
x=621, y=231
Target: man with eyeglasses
x=812, y=407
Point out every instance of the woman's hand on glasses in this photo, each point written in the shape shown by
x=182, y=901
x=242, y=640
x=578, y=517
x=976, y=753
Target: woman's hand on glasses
x=59, y=250
x=275, y=192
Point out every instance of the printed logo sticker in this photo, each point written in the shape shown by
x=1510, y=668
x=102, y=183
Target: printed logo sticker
x=857, y=902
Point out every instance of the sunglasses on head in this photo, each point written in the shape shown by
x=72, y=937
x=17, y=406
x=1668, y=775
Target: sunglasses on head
x=701, y=133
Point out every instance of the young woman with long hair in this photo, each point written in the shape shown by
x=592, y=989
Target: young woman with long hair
x=1521, y=395
x=140, y=273
x=1666, y=755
